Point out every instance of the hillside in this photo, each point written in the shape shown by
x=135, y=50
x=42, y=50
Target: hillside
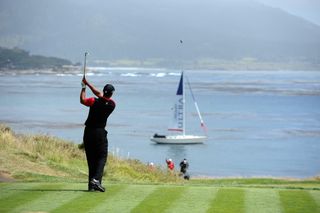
x=43, y=157
x=20, y=59
x=147, y=30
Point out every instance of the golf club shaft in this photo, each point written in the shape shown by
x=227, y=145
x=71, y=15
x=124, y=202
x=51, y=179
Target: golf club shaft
x=85, y=64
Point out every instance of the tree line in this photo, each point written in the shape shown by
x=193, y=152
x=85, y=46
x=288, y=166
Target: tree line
x=17, y=58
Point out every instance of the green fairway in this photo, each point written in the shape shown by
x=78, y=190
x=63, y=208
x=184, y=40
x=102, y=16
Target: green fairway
x=73, y=197
x=228, y=200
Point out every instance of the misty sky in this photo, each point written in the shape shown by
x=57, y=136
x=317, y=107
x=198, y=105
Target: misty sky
x=129, y=28
x=308, y=9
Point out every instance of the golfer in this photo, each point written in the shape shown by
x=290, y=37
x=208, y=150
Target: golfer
x=95, y=136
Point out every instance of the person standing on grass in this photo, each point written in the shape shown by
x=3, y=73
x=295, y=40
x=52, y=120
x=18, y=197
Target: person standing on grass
x=95, y=136
x=184, y=165
x=170, y=164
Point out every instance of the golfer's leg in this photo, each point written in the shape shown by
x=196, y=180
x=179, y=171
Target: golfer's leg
x=100, y=166
x=102, y=155
x=90, y=153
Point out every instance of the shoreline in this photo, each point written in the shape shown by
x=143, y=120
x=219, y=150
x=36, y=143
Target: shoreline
x=96, y=70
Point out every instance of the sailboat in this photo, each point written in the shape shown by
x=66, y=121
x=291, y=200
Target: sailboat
x=179, y=121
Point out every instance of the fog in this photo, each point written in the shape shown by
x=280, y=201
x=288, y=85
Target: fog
x=142, y=29
x=308, y=9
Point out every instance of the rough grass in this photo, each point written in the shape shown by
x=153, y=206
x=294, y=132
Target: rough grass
x=43, y=157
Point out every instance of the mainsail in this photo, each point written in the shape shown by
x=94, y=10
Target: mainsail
x=178, y=109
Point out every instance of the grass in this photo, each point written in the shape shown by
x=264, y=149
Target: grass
x=298, y=201
x=159, y=200
x=227, y=201
x=262, y=201
x=84, y=202
x=313, y=183
x=48, y=174
x=47, y=158
x=122, y=197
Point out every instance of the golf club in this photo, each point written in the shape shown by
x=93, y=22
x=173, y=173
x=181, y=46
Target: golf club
x=85, y=64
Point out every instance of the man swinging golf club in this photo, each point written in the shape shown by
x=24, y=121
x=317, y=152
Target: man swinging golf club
x=95, y=136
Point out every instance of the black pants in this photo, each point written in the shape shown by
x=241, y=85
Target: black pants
x=96, y=147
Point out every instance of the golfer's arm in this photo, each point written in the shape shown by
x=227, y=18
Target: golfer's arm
x=95, y=91
x=82, y=95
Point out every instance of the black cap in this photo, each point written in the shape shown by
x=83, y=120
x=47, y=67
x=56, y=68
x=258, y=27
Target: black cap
x=108, y=89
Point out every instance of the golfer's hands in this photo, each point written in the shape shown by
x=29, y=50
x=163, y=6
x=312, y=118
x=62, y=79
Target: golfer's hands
x=83, y=83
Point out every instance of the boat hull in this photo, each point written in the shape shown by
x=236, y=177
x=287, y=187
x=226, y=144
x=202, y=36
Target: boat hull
x=179, y=139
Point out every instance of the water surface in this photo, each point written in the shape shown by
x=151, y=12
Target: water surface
x=260, y=123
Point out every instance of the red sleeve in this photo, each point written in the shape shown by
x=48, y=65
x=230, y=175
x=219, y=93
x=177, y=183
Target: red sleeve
x=89, y=101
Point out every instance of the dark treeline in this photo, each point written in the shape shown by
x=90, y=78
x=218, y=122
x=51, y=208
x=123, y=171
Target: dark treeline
x=20, y=59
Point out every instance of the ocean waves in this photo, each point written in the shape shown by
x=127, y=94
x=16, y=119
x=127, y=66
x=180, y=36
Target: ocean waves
x=282, y=83
x=290, y=89
x=95, y=71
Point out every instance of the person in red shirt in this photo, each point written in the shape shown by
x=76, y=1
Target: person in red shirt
x=95, y=136
x=170, y=164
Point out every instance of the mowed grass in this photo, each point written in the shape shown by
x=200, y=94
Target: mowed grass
x=49, y=175
x=228, y=200
x=73, y=197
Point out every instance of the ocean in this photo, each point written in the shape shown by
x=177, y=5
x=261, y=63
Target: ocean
x=260, y=123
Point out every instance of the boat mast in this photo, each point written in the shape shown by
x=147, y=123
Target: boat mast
x=183, y=94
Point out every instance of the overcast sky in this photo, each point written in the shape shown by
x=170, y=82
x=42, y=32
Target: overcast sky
x=308, y=9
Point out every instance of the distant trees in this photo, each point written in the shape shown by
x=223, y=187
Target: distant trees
x=17, y=58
